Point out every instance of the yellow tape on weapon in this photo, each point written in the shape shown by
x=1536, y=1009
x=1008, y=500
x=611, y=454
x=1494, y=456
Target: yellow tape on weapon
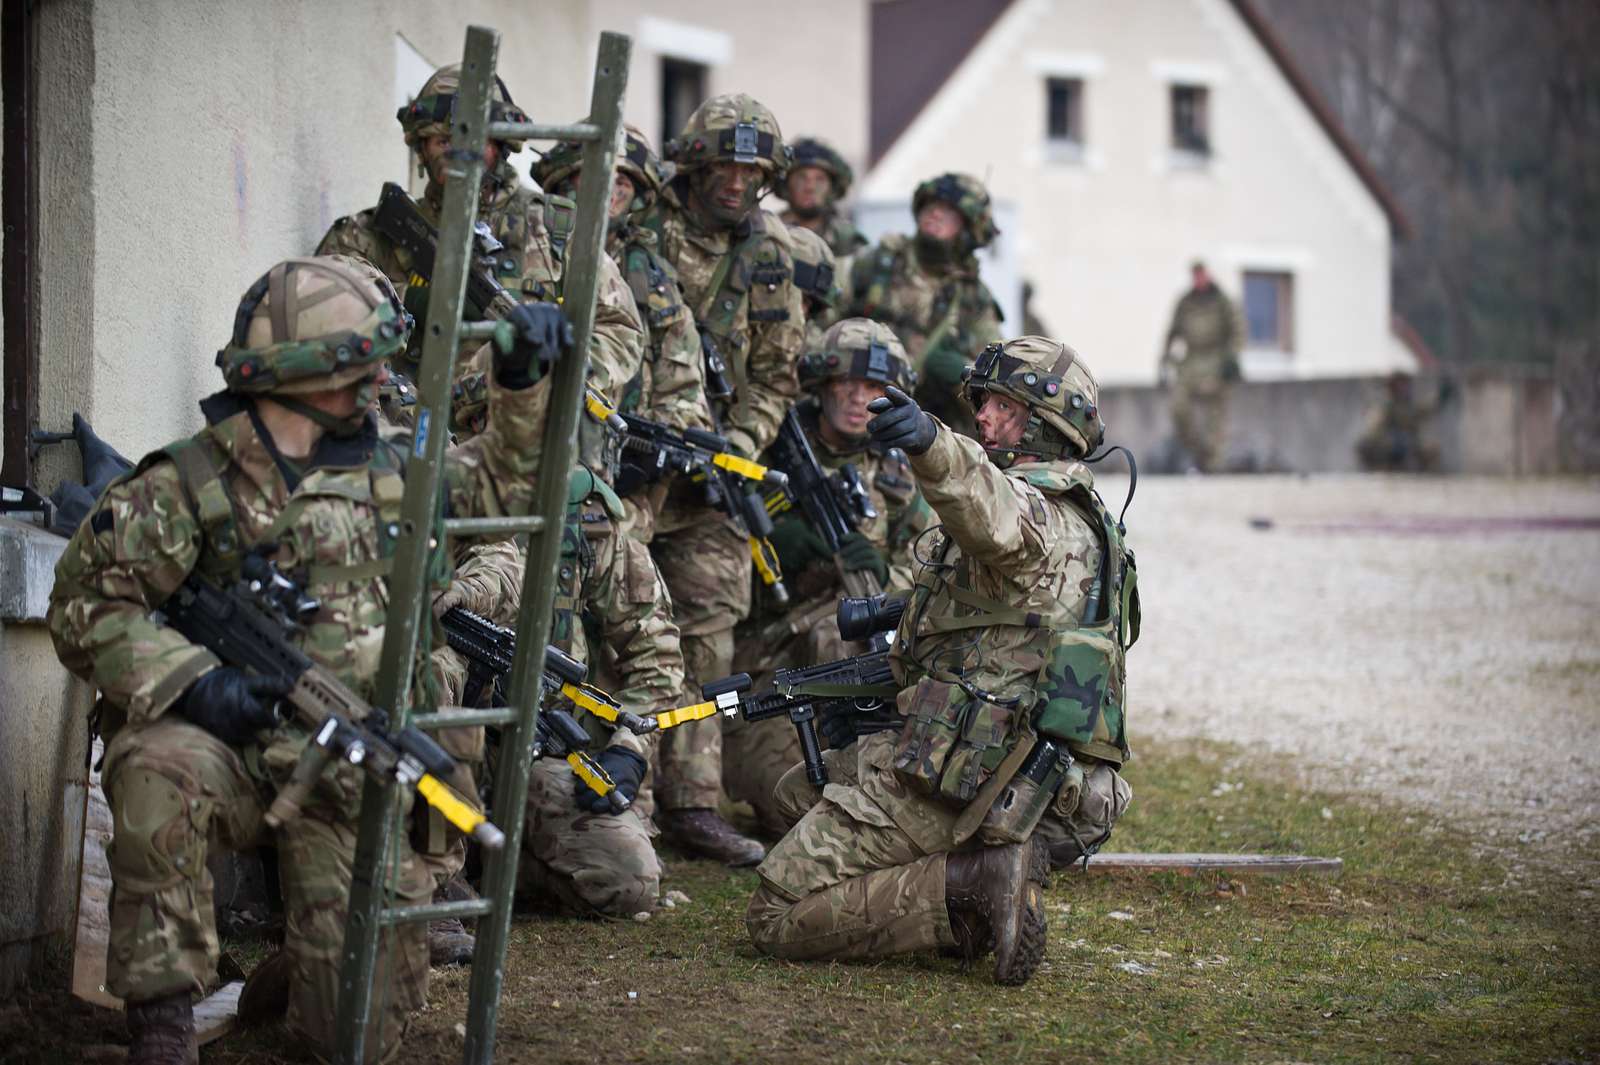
x=684, y=714
x=602, y=411
x=777, y=503
x=742, y=466
x=766, y=560
x=591, y=699
x=594, y=777
x=457, y=811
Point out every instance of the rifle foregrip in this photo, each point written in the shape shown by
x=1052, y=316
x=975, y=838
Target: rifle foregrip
x=811, y=750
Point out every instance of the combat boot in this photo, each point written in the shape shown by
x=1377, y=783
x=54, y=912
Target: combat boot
x=1000, y=887
x=702, y=831
x=162, y=1031
x=449, y=943
x=265, y=996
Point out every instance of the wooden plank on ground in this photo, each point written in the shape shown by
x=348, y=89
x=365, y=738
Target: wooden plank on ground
x=1260, y=864
x=216, y=1014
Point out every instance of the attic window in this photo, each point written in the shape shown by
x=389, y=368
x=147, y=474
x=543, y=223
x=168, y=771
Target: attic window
x=1064, y=111
x=1191, y=120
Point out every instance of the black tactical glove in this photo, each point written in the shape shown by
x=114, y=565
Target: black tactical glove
x=626, y=770
x=797, y=544
x=901, y=423
x=538, y=334
x=856, y=552
x=233, y=705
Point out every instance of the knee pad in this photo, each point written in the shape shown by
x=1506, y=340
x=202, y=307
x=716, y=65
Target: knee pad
x=159, y=840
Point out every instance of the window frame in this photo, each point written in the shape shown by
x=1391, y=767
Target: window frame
x=672, y=67
x=1283, y=283
x=1075, y=138
x=1200, y=148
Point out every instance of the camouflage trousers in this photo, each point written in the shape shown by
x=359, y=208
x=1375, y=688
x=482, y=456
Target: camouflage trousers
x=174, y=791
x=580, y=862
x=706, y=566
x=846, y=881
x=1200, y=418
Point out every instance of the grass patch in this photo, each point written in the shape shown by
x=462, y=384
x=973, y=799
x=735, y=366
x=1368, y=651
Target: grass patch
x=1420, y=951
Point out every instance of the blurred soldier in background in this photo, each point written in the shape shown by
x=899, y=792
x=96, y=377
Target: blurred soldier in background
x=926, y=289
x=818, y=181
x=1395, y=439
x=1206, y=363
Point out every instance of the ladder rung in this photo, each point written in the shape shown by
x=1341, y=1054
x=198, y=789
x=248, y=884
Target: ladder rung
x=476, y=330
x=540, y=131
x=493, y=526
x=463, y=717
x=437, y=911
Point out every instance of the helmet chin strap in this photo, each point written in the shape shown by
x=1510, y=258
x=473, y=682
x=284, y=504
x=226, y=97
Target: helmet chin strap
x=333, y=424
x=1036, y=443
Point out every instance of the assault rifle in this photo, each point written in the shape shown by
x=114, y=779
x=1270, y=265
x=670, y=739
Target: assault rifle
x=400, y=219
x=834, y=505
x=651, y=450
x=249, y=628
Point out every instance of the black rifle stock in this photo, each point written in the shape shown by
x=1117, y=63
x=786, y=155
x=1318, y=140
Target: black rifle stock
x=248, y=628
x=400, y=219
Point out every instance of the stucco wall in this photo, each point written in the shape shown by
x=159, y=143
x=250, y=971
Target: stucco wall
x=1107, y=239
x=808, y=63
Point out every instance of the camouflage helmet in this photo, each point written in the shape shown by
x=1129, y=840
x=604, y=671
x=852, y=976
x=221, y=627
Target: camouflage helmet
x=733, y=127
x=428, y=115
x=313, y=324
x=1052, y=381
x=966, y=194
x=858, y=348
x=637, y=159
x=813, y=266
x=808, y=151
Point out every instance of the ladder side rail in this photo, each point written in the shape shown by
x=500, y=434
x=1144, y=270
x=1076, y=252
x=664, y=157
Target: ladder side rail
x=539, y=583
x=419, y=508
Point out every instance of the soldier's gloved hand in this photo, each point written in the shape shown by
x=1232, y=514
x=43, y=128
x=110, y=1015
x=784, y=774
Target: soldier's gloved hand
x=536, y=335
x=626, y=770
x=856, y=553
x=448, y=599
x=797, y=544
x=233, y=705
x=901, y=423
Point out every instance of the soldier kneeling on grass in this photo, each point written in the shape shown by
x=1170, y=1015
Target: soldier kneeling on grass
x=1010, y=661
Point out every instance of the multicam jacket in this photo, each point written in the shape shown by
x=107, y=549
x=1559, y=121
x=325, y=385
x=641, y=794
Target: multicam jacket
x=1212, y=333
x=837, y=232
x=927, y=310
x=534, y=229
x=670, y=385
x=739, y=285
x=199, y=503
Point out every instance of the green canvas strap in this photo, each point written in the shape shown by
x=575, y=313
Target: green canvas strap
x=989, y=613
x=202, y=483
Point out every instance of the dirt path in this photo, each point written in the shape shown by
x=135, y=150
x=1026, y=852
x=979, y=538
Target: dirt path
x=1416, y=639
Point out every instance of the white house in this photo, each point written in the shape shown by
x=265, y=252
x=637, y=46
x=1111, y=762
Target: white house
x=1121, y=141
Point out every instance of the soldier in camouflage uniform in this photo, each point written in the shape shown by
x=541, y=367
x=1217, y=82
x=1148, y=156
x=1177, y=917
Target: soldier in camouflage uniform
x=1395, y=438
x=819, y=180
x=611, y=603
x=1010, y=658
x=735, y=265
x=926, y=289
x=852, y=366
x=1207, y=364
x=814, y=277
x=532, y=227
x=291, y=463
x=670, y=387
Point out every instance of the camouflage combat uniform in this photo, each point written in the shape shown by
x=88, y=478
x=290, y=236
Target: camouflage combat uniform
x=738, y=283
x=832, y=224
x=755, y=756
x=994, y=615
x=814, y=276
x=612, y=603
x=1212, y=332
x=1395, y=436
x=940, y=310
x=173, y=787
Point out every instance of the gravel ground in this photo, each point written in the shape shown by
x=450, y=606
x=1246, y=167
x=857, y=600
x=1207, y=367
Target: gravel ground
x=1400, y=637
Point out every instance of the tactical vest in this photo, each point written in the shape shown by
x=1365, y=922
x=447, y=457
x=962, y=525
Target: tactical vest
x=873, y=280
x=956, y=739
x=656, y=297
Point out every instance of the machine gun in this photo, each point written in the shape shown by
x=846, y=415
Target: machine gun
x=835, y=504
x=249, y=628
